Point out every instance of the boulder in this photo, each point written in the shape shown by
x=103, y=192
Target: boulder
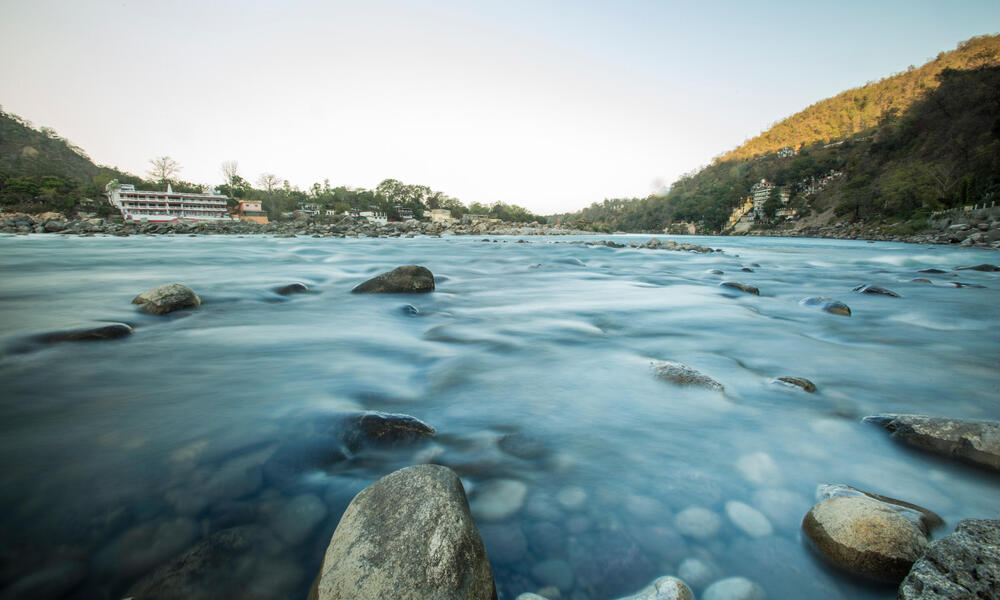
x=864, y=536
x=408, y=536
x=411, y=279
x=167, y=298
x=800, y=382
x=976, y=442
x=291, y=288
x=663, y=588
x=107, y=331
x=983, y=267
x=964, y=564
x=827, y=304
x=682, y=374
x=743, y=287
x=875, y=290
x=384, y=428
x=923, y=517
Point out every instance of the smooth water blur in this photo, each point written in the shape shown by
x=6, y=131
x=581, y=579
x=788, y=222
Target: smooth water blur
x=120, y=455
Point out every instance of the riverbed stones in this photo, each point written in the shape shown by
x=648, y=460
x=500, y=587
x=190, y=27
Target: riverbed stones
x=298, y=518
x=291, y=289
x=683, y=375
x=167, y=298
x=571, y=497
x=799, y=382
x=734, y=588
x=498, y=499
x=697, y=522
x=976, y=442
x=865, y=537
x=829, y=305
x=663, y=588
x=409, y=279
x=964, y=564
x=875, y=291
x=555, y=572
x=108, y=331
x=759, y=468
x=743, y=287
x=408, y=536
x=748, y=519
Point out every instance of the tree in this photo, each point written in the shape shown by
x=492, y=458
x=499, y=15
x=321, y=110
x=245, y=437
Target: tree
x=231, y=174
x=269, y=182
x=163, y=169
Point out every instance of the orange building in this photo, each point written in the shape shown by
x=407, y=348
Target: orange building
x=250, y=210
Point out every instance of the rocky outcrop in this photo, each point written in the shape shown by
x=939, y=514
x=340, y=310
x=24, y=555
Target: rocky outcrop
x=959, y=566
x=827, y=304
x=684, y=375
x=865, y=536
x=743, y=287
x=167, y=298
x=799, y=382
x=411, y=279
x=976, y=442
x=408, y=536
x=107, y=331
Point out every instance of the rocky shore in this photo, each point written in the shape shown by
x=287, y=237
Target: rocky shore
x=968, y=231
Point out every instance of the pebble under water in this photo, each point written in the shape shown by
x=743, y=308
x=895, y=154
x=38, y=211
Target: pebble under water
x=533, y=361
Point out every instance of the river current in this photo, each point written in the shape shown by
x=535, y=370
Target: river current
x=533, y=363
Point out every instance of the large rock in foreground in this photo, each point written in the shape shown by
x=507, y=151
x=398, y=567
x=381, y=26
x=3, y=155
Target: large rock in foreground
x=411, y=279
x=965, y=564
x=408, y=536
x=864, y=536
x=977, y=442
x=167, y=298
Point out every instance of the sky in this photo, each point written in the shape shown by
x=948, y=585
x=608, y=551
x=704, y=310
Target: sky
x=549, y=105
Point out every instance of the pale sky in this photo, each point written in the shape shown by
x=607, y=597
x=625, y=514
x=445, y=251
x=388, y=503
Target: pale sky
x=550, y=105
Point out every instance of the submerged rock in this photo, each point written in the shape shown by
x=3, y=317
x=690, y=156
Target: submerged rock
x=682, y=374
x=743, y=287
x=697, y=522
x=714, y=272
x=983, y=267
x=663, y=588
x=107, y=331
x=384, y=428
x=800, y=382
x=734, y=588
x=291, y=288
x=976, y=442
x=748, y=519
x=411, y=279
x=932, y=271
x=827, y=304
x=498, y=499
x=865, y=537
x=167, y=298
x=964, y=564
x=875, y=290
x=408, y=536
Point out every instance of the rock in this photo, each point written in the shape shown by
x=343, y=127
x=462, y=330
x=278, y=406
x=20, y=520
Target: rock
x=714, y=272
x=572, y=497
x=865, y=537
x=645, y=507
x=384, y=428
x=697, y=572
x=167, y=298
x=409, y=309
x=146, y=545
x=748, y=519
x=743, y=287
x=699, y=523
x=964, y=564
x=530, y=596
x=983, y=267
x=555, y=572
x=734, y=588
x=921, y=280
x=682, y=374
x=608, y=564
x=411, y=279
x=108, y=331
x=923, y=517
x=408, y=536
x=759, y=468
x=932, y=271
x=876, y=290
x=976, y=442
x=827, y=304
x=521, y=446
x=291, y=288
x=505, y=544
x=663, y=588
x=800, y=382
x=224, y=565
x=498, y=499
x=298, y=518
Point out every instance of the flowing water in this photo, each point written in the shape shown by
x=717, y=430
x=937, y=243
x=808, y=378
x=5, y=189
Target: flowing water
x=531, y=360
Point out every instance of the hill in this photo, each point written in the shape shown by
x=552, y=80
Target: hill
x=915, y=142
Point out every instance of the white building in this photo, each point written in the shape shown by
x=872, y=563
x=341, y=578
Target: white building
x=441, y=215
x=761, y=191
x=168, y=206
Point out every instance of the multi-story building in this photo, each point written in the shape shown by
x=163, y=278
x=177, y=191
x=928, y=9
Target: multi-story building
x=168, y=206
x=760, y=192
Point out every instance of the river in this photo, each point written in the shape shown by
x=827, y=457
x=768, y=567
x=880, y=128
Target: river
x=533, y=363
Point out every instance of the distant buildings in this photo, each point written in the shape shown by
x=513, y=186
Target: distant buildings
x=250, y=210
x=787, y=152
x=760, y=192
x=441, y=215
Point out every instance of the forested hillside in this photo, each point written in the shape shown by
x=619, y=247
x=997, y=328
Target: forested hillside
x=941, y=150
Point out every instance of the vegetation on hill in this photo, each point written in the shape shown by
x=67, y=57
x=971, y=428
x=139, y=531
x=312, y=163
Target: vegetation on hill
x=40, y=171
x=942, y=149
